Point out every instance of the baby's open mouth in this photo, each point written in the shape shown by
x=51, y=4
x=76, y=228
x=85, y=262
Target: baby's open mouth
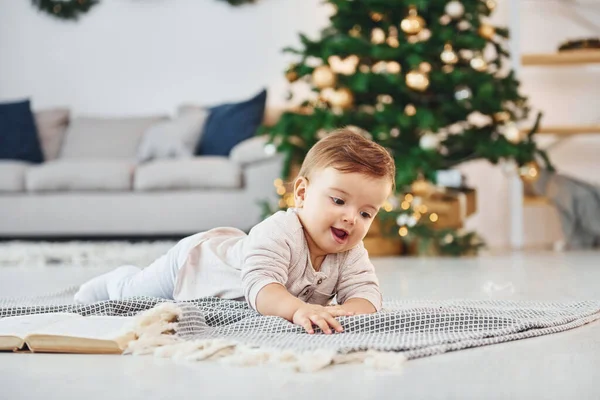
x=340, y=233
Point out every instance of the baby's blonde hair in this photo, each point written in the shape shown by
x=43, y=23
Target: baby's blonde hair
x=348, y=151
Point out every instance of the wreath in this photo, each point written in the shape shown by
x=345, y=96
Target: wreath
x=65, y=9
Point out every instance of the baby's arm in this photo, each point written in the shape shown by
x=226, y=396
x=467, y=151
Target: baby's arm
x=357, y=306
x=358, y=286
x=274, y=299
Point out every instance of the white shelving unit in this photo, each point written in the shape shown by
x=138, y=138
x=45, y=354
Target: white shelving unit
x=516, y=199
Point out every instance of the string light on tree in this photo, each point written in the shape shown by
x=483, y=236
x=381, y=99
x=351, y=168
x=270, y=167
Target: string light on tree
x=491, y=4
x=463, y=93
x=464, y=25
x=429, y=141
x=375, y=16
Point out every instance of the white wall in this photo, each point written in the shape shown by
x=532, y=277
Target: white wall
x=140, y=56
x=145, y=56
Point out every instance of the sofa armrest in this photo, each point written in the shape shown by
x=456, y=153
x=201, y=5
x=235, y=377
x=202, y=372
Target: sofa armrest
x=250, y=151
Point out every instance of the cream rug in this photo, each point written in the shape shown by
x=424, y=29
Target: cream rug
x=81, y=253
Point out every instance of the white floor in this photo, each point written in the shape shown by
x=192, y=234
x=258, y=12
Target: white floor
x=559, y=366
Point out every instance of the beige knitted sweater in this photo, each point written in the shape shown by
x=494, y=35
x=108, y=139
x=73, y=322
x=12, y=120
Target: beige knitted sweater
x=227, y=263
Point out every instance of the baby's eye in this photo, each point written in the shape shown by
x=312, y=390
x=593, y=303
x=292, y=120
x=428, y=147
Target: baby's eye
x=337, y=201
x=365, y=214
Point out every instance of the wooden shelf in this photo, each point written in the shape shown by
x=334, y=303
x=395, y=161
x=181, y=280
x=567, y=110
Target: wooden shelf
x=566, y=130
x=570, y=57
x=536, y=201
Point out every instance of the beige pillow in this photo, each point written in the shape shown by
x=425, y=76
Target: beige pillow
x=105, y=138
x=175, y=138
x=51, y=125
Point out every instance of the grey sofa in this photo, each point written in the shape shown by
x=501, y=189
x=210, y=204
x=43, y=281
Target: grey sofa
x=91, y=193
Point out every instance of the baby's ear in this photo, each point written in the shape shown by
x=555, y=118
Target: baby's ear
x=300, y=191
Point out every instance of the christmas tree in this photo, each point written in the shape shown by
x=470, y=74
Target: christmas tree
x=424, y=78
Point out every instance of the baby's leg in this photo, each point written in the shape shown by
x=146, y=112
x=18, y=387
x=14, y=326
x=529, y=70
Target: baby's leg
x=156, y=280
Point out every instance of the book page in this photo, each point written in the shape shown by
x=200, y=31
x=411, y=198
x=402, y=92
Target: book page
x=90, y=327
x=22, y=325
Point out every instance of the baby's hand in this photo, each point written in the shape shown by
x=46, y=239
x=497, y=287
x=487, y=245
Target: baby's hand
x=323, y=317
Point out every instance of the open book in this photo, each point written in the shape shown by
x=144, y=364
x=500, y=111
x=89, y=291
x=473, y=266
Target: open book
x=66, y=333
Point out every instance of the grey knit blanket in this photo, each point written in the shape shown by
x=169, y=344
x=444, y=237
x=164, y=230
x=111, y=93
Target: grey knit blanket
x=416, y=328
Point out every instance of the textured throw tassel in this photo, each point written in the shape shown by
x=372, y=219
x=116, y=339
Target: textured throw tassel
x=154, y=330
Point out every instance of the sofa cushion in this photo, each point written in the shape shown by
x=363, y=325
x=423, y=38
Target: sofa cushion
x=105, y=138
x=18, y=133
x=208, y=172
x=76, y=175
x=229, y=124
x=175, y=138
x=12, y=175
x=51, y=126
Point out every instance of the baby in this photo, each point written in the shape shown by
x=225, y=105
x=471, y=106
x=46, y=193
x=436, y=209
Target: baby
x=293, y=263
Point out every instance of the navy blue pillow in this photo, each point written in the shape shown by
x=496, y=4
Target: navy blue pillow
x=229, y=124
x=18, y=133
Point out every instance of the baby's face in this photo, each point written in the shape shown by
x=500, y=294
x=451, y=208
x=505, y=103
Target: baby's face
x=337, y=209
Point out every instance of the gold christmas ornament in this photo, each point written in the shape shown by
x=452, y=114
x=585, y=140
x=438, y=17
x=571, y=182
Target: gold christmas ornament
x=424, y=35
x=410, y=110
x=355, y=31
x=478, y=63
x=379, y=67
x=511, y=132
x=425, y=67
x=417, y=80
x=501, y=116
x=291, y=76
x=413, y=39
x=413, y=23
x=455, y=9
x=530, y=172
x=343, y=98
x=327, y=94
x=445, y=19
x=466, y=54
x=375, y=16
x=323, y=77
x=377, y=36
x=487, y=31
x=448, y=55
x=393, y=41
x=346, y=66
x=393, y=67
x=385, y=99
x=464, y=25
